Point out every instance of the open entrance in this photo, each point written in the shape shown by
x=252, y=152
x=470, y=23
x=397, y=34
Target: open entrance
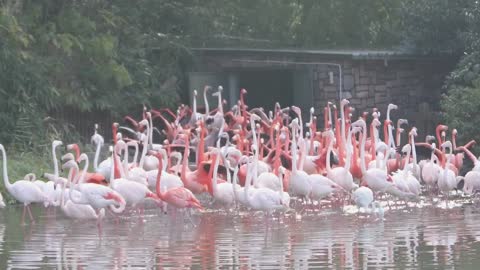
x=265, y=87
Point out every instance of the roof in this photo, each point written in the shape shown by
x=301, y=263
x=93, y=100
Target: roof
x=354, y=54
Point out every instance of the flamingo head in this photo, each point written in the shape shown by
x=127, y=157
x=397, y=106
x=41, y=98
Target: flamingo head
x=68, y=156
x=406, y=148
x=56, y=143
x=401, y=122
x=243, y=91
x=206, y=88
x=441, y=128
x=69, y=164
x=254, y=117
x=413, y=132
x=392, y=107
x=195, y=92
x=429, y=138
x=294, y=123
x=359, y=123
x=144, y=122
x=447, y=144
x=296, y=110
x=376, y=122
x=344, y=102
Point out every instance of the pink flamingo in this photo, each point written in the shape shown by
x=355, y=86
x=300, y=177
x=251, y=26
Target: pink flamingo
x=179, y=197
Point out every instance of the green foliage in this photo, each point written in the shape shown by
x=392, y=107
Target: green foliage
x=462, y=100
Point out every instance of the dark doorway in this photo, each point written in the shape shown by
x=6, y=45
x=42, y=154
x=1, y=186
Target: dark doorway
x=265, y=87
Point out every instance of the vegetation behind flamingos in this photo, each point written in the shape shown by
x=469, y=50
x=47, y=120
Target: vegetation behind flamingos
x=114, y=56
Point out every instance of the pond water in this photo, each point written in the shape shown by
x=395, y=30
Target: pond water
x=430, y=236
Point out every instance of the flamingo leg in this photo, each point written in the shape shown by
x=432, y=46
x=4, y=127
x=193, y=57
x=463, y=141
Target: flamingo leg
x=23, y=214
x=30, y=214
x=99, y=224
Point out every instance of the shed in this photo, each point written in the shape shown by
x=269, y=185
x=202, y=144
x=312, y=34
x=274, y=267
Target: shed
x=311, y=78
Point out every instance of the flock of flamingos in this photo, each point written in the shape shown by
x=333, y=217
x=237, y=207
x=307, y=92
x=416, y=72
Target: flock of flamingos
x=251, y=159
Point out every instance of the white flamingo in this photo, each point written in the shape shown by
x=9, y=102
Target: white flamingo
x=23, y=191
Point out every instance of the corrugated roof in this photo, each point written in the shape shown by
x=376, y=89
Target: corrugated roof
x=355, y=54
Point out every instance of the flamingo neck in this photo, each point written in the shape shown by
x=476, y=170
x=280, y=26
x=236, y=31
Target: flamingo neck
x=329, y=151
x=159, y=176
x=55, y=163
x=5, y=173
x=362, y=150
x=205, y=100
x=183, y=173
x=213, y=174
x=95, y=159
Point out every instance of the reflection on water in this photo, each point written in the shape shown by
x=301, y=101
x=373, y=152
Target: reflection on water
x=418, y=237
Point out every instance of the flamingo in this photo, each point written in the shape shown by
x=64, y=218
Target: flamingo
x=363, y=197
x=262, y=199
x=340, y=175
x=447, y=180
x=376, y=179
x=221, y=192
x=299, y=183
x=98, y=196
x=23, y=191
x=431, y=170
x=133, y=192
x=71, y=209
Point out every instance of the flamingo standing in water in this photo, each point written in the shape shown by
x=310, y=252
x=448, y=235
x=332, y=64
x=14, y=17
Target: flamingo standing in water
x=23, y=191
x=179, y=197
x=71, y=209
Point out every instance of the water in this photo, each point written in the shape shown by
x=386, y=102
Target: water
x=426, y=237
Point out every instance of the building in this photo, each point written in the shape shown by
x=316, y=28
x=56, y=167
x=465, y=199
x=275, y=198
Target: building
x=311, y=78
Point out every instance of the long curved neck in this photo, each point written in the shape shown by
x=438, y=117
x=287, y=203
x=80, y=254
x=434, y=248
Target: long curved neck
x=214, y=174
x=362, y=151
x=5, y=173
x=183, y=173
x=386, y=136
x=201, y=145
x=407, y=159
x=150, y=132
x=144, y=152
x=220, y=105
x=439, y=138
x=205, y=100
x=329, y=151
x=454, y=140
x=72, y=187
x=55, y=163
x=373, y=141
x=125, y=160
x=294, y=150
x=256, y=154
x=84, y=172
x=414, y=153
x=158, y=188
x=349, y=154
x=95, y=159
x=135, y=156
x=342, y=128
x=276, y=162
x=398, y=136
x=194, y=105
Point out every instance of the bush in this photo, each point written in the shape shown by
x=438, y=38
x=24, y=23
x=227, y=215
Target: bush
x=461, y=103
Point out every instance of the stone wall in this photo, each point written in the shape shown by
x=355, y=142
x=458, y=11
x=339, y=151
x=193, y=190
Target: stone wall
x=372, y=83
